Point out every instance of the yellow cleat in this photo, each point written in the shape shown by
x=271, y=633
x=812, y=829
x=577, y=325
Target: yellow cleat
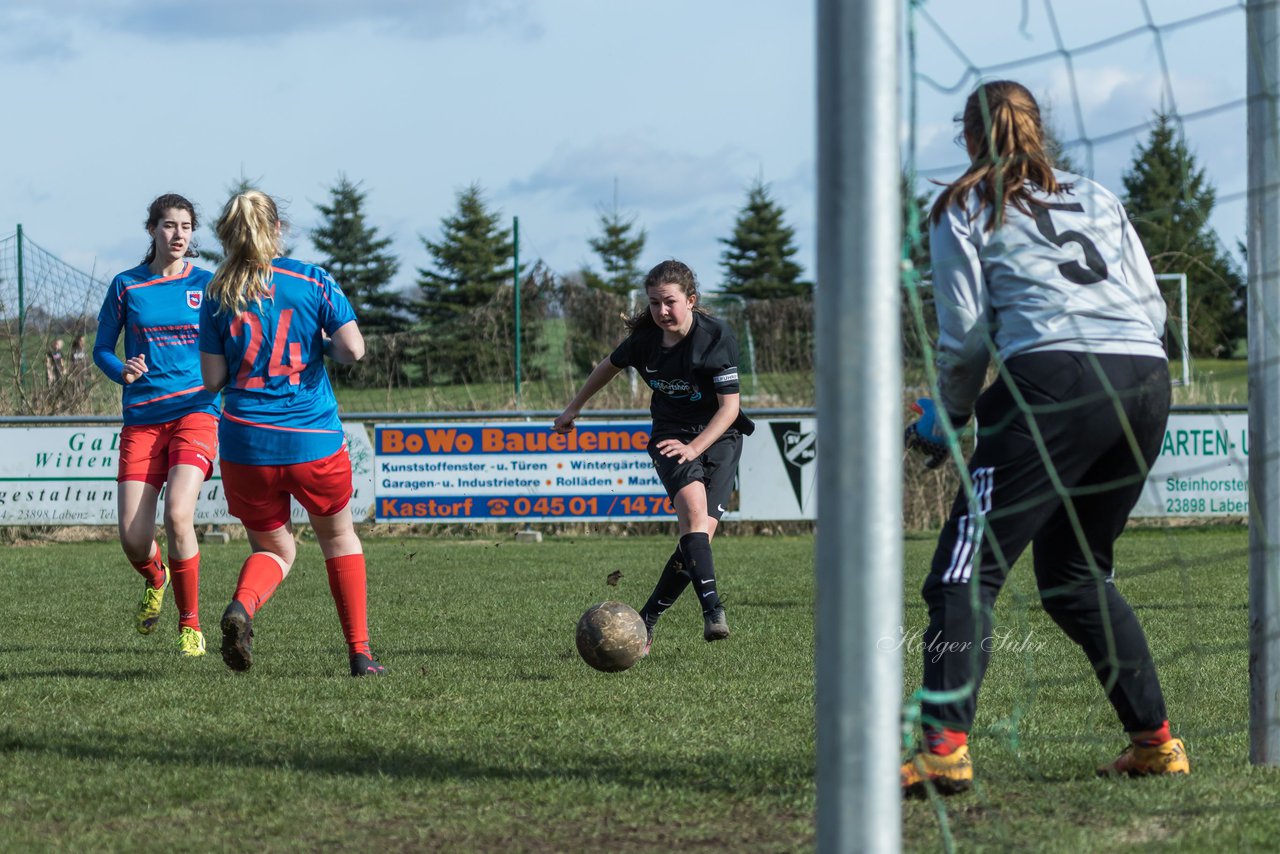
x=190, y=642
x=949, y=775
x=152, y=601
x=1135, y=761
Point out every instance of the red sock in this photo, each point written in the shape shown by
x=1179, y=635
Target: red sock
x=185, y=573
x=944, y=742
x=259, y=578
x=1152, y=737
x=347, y=584
x=150, y=568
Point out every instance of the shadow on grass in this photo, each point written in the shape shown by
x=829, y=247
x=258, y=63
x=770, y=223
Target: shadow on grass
x=728, y=774
x=779, y=604
x=78, y=673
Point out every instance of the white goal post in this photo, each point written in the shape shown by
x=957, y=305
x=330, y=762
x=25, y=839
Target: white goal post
x=1183, y=344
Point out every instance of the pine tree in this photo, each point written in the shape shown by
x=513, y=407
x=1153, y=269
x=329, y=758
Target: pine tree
x=358, y=259
x=472, y=263
x=758, y=261
x=619, y=246
x=1169, y=200
x=472, y=260
x=915, y=235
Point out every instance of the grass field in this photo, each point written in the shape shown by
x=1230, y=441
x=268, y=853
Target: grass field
x=490, y=735
x=1215, y=381
x=1043, y=723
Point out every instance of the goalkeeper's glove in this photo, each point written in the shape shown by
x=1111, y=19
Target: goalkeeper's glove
x=925, y=436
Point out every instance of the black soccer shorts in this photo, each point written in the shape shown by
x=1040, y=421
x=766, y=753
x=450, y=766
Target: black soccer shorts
x=716, y=469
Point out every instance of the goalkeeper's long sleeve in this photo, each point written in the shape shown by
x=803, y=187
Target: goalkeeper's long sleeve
x=1067, y=273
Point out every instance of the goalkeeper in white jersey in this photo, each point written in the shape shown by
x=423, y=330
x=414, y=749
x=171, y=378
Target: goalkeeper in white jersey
x=1039, y=273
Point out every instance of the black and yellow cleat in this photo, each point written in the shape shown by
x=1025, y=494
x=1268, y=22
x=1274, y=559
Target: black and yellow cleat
x=949, y=775
x=1137, y=761
x=152, y=602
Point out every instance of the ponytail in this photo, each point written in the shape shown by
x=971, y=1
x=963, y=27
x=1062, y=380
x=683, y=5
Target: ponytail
x=249, y=230
x=1005, y=137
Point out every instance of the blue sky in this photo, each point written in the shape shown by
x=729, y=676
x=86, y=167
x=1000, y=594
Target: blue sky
x=548, y=105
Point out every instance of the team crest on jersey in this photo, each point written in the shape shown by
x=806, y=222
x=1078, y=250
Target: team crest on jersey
x=194, y=298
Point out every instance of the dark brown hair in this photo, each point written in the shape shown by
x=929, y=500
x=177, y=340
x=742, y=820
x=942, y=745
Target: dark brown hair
x=670, y=272
x=156, y=212
x=1005, y=137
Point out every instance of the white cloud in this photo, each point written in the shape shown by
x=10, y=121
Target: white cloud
x=209, y=20
x=28, y=35
x=646, y=174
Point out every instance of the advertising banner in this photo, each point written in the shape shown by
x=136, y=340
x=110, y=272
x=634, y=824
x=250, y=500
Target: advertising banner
x=522, y=472
x=779, y=471
x=1202, y=470
x=516, y=472
x=67, y=476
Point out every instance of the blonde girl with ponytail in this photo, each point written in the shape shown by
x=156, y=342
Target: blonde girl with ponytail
x=265, y=327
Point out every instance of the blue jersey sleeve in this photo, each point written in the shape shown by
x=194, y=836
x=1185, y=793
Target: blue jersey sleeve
x=110, y=322
x=210, y=332
x=335, y=308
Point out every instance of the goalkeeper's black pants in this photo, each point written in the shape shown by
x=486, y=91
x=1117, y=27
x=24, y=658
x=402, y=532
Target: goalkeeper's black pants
x=1064, y=444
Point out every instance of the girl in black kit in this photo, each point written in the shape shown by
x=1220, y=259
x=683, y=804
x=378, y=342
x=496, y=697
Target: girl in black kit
x=690, y=361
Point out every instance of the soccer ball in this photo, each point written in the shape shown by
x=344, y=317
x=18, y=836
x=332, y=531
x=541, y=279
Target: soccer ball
x=611, y=636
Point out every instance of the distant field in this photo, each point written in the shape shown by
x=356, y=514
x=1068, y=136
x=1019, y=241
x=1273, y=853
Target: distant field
x=1215, y=381
x=490, y=735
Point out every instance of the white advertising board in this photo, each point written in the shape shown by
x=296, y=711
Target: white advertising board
x=519, y=472
x=1202, y=470
x=67, y=476
x=779, y=471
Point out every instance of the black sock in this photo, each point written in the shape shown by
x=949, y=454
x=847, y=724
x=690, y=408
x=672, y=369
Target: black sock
x=670, y=585
x=696, y=548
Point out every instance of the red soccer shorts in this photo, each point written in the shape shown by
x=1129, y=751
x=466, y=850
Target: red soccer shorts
x=148, y=451
x=259, y=495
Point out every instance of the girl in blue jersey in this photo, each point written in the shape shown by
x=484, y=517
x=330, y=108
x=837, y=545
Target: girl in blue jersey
x=1043, y=268
x=690, y=360
x=266, y=325
x=169, y=438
